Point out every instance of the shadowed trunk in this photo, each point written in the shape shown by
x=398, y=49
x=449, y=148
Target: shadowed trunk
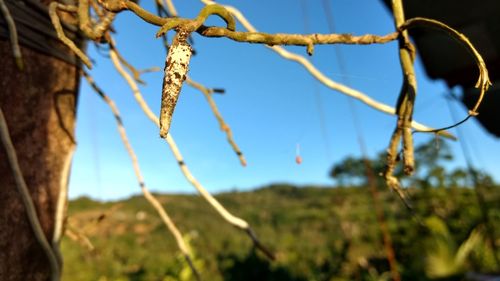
x=39, y=106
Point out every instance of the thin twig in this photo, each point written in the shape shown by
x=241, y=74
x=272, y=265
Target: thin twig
x=16, y=50
x=56, y=22
x=151, y=199
x=223, y=125
x=26, y=199
x=405, y=105
x=256, y=37
x=233, y=220
x=62, y=200
x=80, y=238
x=308, y=40
x=406, y=100
x=322, y=77
x=171, y=8
x=483, y=81
x=87, y=26
x=89, y=29
x=136, y=72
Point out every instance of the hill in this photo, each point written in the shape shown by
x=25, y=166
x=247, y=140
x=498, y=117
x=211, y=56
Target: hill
x=317, y=234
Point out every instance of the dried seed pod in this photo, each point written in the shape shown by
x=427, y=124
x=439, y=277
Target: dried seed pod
x=176, y=67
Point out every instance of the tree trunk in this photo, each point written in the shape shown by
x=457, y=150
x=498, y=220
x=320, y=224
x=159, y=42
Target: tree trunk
x=39, y=106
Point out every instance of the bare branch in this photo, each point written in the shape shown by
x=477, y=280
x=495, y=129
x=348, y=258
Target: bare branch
x=235, y=221
x=80, y=238
x=483, y=81
x=322, y=77
x=151, y=199
x=62, y=200
x=223, y=125
x=136, y=72
x=94, y=32
x=53, y=7
x=171, y=8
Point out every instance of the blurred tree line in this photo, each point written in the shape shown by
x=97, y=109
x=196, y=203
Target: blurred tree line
x=317, y=233
x=430, y=159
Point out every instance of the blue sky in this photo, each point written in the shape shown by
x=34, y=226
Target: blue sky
x=270, y=103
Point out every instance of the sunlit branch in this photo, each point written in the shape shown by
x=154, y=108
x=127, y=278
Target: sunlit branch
x=483, y=81
x=322, y=77
x=171, y=8
x=151, y=199
x=80, y=238
x=223, y=125
x=136, y=73
x=62, y=200
x=56, y=22
x=91, y=30
x=405, y=107
x=235, y=221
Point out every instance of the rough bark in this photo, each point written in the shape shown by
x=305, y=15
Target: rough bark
x=39, y=106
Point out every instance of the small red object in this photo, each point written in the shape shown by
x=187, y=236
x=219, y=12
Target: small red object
x=298, y=159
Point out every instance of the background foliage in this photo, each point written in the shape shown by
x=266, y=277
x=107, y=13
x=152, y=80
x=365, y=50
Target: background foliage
x=318, y=233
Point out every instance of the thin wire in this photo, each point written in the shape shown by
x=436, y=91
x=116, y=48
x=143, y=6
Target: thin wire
x=317, y=94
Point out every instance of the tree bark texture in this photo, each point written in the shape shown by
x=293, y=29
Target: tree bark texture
x=39, y=105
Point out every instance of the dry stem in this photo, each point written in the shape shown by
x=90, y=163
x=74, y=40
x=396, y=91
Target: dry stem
x=483, y=81
x=322, y=77
x=223, y=125
x=235, y=221
x=62, y=200
x=151, y=199
x=80, y=238
x=136, y=72
x=53, y=7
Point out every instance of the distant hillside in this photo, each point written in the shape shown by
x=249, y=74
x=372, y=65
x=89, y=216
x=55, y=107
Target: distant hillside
x=316, y=233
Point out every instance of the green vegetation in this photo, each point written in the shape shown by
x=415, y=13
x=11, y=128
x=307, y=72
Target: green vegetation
x=317, y=233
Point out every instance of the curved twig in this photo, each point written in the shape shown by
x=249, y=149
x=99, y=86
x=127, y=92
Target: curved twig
x=62, y=200
x=192, y=25
x=483, y=81
x=53, y=7
x=343, y=89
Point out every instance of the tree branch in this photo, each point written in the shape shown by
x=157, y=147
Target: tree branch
x=235, y=221
x=223, y=125
x=151, y=199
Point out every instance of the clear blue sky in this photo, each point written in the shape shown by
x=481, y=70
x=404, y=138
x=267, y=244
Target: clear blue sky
x=270, y=103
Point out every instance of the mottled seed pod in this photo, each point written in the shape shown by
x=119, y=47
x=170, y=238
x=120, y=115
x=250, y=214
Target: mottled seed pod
x=176, y=68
